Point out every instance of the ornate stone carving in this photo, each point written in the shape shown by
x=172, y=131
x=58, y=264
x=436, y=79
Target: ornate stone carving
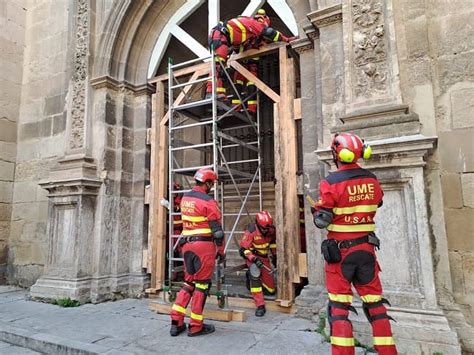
x=369, y=48
x=302, y=45
x=79, y=80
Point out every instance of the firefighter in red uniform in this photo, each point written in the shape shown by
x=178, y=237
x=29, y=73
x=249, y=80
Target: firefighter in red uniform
x=349, y=199
x=238, y=35
x=257, y=242
x=202, y=243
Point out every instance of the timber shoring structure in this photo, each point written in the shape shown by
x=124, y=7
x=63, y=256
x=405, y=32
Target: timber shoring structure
x=286, y=202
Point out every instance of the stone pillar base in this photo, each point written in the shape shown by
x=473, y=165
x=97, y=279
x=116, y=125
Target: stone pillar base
x=415, y=331
x=311, y=300
x=90, y=289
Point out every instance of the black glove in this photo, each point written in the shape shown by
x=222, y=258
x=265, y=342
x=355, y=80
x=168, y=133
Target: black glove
x=274, y=261
x=258, y=262
x=220, y=258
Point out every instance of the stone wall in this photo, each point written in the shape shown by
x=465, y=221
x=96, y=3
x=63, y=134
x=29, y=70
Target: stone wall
x=12, y=41
x=41, y=124
x=435, y=45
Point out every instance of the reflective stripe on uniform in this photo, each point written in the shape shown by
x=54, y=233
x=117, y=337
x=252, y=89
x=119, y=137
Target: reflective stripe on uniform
x=250, y=83
x=236, y=102
x=301, y=220
x=351, y=227
x=276, y=37
x=247, y=252
x=240, y=82
x=178, y=308
x=272, y=246
x=252, y=102
x=384, y=341
x=242, y=28
x=371, y=298
x=196, y=316
x=342, y=341
x=255, y=289
x=271, y=290
x=220, y=90
x=340, y=298
x=194, y=218
x=355, y=209
x=178, y=222
x=197, y=231
x=261, y=246
x=202, y=286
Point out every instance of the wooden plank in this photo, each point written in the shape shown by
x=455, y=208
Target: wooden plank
x=147, y=194
x=263, y=50
x=303, y=265
x=202, y=67
x=239, y=316
x=258, y=83
x=297, y=108
x=151, y=216
x=286, y=188
x=213, y=313
x=181, y=96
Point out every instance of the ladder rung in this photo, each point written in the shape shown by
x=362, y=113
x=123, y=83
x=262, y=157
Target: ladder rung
x=179, y=65
x=190, y=82
x=235, y=232
x=238, y=197
x=236, y=174
x=187, y=145
x=203, y=123
x=192, y=168
x=237, y=214
x=237, y=145
x=237, y=141
x=192, y=104
x=241, y=161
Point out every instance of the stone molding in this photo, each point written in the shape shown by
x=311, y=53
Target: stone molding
x=407, y=152
x=116, y=85
x=79, y=79
x=326, y=16
x=302, y=45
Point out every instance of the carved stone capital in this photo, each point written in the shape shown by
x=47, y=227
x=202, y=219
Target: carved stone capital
x=110, y=83
x=326, y=16
x=311, y=32
x=302, y=45
x=391, y=153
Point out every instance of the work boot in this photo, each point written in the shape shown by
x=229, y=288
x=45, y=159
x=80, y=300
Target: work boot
x=206, y=329
x=177, y=329
x=260, y=311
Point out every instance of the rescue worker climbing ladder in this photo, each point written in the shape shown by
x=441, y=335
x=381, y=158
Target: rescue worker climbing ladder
x=256, y=244
x=238, y=35
x=349, y=199
x=202, y=242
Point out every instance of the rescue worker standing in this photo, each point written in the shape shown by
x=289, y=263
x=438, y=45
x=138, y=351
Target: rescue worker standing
x=349, y=199
x=256, y=244
x=238, y=35
x=202, y=243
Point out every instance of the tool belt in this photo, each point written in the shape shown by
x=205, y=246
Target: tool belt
x=371, y=238
x=193, y=238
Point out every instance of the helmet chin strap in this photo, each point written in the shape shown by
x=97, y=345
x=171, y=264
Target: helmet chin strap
x=334, y=158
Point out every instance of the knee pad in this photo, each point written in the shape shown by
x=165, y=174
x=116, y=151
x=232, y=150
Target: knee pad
x=366, y=307
x=344, y=306
x=254, y=272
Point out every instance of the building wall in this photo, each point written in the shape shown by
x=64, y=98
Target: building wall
x=40, y=129
x=12, y=41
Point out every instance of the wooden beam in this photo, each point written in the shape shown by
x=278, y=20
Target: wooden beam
x=263, y=50
x=258, y=83
x=201, y=67
x=303, y=265
x=214, y=313
x=297, y=108
x=286, y=201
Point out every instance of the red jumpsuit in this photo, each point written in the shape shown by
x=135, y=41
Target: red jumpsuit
x=199, y=252
x=238, y=35
x=177, y=230
x=353, y=195
x=255, y=245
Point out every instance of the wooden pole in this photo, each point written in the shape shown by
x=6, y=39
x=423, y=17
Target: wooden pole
x=286, y=165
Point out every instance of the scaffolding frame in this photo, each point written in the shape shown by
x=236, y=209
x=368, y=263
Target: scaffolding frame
x=212, y=146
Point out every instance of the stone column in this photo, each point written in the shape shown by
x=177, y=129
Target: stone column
x=313, y=296
x=73, y=184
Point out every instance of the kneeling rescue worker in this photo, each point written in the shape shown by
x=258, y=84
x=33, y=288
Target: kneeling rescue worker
x=202, y=243
x=256, y=244
x=349, y=199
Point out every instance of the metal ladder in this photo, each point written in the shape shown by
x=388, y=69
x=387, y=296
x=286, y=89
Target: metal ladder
x=215, y=122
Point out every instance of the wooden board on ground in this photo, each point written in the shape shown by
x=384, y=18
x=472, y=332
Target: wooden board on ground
x=210, y=312
x=235, y=303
